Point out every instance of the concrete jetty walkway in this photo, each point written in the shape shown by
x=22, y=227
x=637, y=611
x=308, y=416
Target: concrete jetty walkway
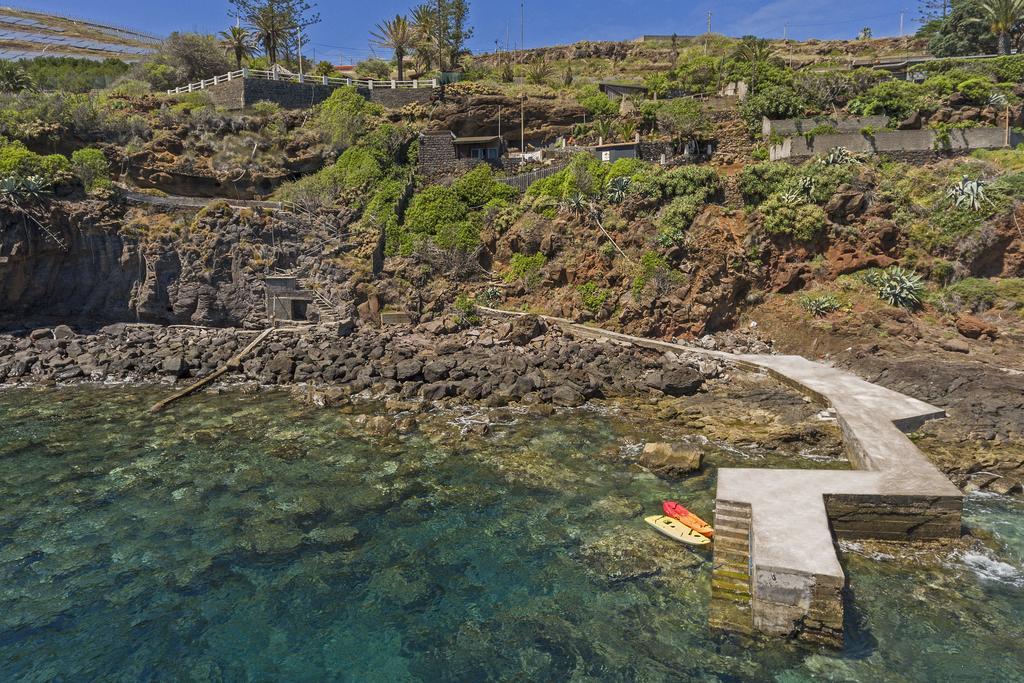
x=776, y=571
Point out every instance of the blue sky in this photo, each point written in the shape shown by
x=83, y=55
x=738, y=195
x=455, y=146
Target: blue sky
x=343, y=33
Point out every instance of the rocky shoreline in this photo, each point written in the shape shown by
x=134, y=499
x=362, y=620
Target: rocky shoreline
x=494, y=363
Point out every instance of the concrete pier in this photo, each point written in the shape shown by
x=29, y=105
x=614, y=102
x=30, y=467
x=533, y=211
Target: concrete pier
x=794, y=576
x=776, y=571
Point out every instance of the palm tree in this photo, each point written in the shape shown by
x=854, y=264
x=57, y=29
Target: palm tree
x=424, y=25
x=755, y=52
x=1002, y=16
x=237, y=41
x=274, y=27
x=397, y=35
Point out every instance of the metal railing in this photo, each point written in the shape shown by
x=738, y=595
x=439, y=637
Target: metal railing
x=522, y=181
x=330, y=81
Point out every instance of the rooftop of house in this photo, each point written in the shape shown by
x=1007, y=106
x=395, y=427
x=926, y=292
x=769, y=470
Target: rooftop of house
x=616, y=145
x=477, y=140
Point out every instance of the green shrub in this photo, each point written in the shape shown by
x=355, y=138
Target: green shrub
x=677, y=217
x=760, y=181
x=266, y=108
x=465, y=307
x=895, y=98
x=381, y=212
x=596, y=103
x=592, y=297
x=976, y=90
x=71, y=74
x=774, y=102
x=973, y=293
x=355, y=170
x=186, y=102
x=433, y=208
x=819, y=182
x=690, y=180
x=478, y=188
x=91, y=167
x=584, y=175
x=939, y=85
x=783, y=217
x=345, y=116
x=1011, y=289
x=18, y=161
x=653, y=272
x=525, y=269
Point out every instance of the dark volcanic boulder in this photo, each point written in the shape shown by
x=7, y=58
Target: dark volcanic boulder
x=525, y=328
x=676, y=381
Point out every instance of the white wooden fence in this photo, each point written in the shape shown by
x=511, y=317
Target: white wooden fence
x=330, y=81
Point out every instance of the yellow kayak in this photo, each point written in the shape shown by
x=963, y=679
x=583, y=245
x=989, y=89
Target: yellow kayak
x=676, y=530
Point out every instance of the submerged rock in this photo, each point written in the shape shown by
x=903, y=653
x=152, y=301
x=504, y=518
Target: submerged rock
x=671, y=460
x=628, y=553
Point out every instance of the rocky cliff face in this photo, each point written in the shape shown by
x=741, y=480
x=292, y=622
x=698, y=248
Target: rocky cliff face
x=546, y=118
x=121, y=264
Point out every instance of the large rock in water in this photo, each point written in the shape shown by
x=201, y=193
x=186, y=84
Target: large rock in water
x=671, y=460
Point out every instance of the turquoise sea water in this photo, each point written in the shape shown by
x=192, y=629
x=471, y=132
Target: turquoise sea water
x=248, y=538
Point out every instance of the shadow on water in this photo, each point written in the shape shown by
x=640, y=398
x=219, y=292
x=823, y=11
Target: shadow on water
x=858, y=640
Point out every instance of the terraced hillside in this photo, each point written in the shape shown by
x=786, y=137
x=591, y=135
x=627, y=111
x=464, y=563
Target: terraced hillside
x=26, y=33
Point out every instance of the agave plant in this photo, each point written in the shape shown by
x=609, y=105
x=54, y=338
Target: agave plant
x=839, y=156
x=898, y=287
x=29, y=189
x=807, y=185
x=538, y=72
x=821, y=305
x=792, y=198
x=617, y=189
x=968, y=193
x=576, y=206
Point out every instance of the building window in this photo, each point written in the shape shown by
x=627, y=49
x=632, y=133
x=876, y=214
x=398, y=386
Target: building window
x=477, y=153
x=492, y=153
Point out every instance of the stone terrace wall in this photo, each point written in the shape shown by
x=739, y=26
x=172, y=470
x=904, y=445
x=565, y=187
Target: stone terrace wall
x=241, y=93
x=399, y=97
x=913, y=143
x=845, y=125
x=228, y=95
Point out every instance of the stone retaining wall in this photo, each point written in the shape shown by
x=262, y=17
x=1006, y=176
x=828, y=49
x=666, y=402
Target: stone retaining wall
x=911, y=143
x=396, y=98
x=842, y=125
x=241, y=93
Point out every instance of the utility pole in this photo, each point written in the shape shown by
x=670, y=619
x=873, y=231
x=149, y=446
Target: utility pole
x=707, y=36
x=522, y=128
x=522, y=28
x=440, y=39
x=902, y=12
x=785, y=31
x=300, y=54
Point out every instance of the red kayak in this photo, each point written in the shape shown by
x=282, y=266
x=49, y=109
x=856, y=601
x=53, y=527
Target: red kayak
x=676, y=511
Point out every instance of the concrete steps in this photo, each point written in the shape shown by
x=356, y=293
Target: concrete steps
x=730, y=608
